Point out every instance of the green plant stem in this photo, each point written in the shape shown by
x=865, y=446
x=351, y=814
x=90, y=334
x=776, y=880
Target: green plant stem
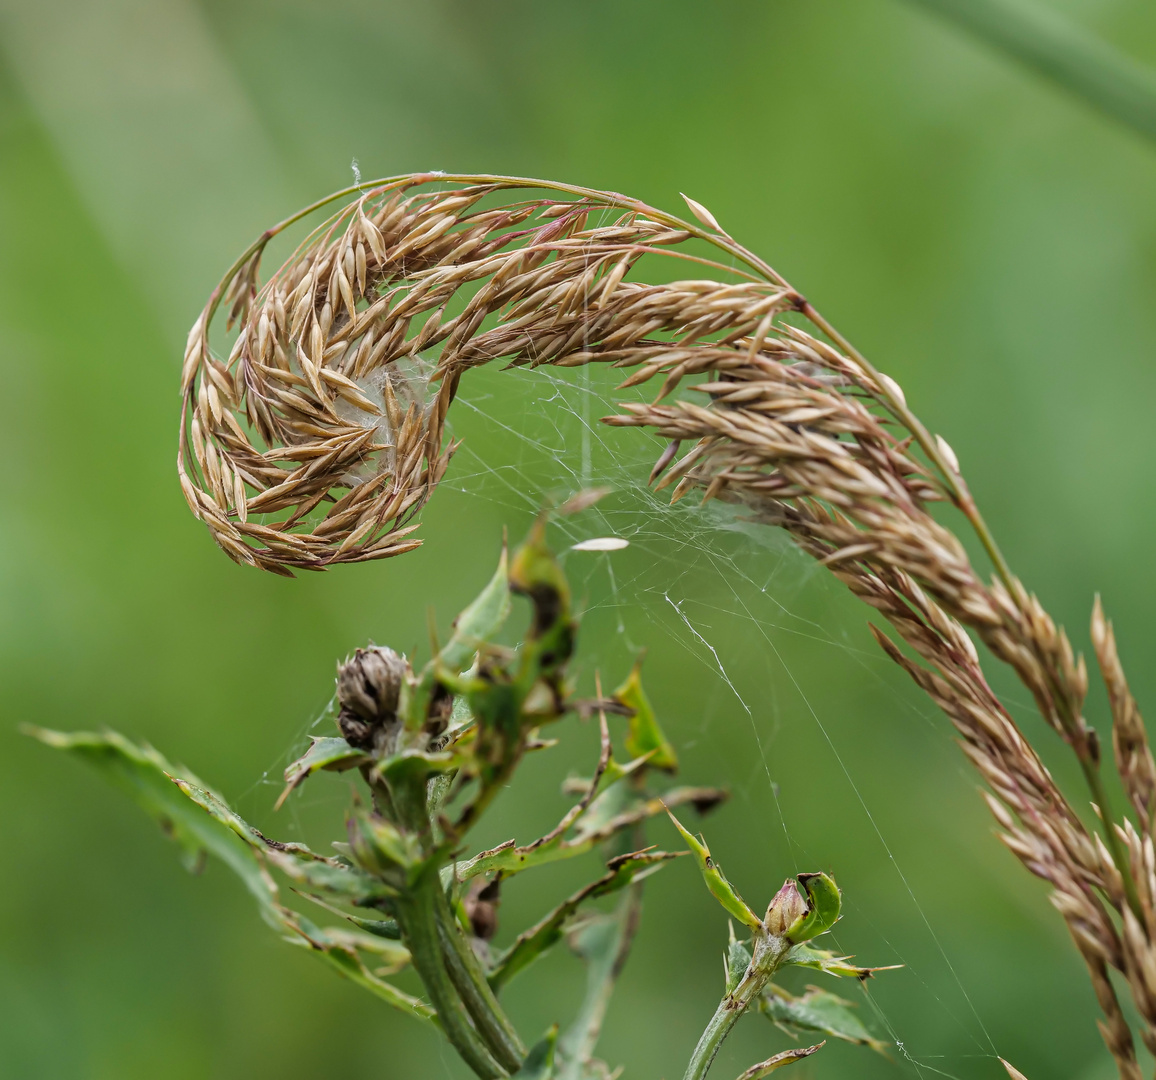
x=419, y=926
x=417, y=912
x=770, y=952
x=1063, y=52
x=470, y=980
x=454, y=956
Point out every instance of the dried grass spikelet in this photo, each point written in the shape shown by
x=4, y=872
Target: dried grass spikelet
x=320, y=436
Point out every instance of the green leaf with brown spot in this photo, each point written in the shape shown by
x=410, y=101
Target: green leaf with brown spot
x=534, y=573
x=715, y=879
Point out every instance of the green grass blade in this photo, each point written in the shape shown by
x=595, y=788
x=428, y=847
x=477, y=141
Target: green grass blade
x=1061, y=51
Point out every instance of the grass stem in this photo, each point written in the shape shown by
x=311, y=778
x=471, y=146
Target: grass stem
x=1061, y=51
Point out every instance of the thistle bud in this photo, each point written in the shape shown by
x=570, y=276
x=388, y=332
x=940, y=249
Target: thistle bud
x=787, y=907
x=379, y=847
x=369, y=688
x=481, y=906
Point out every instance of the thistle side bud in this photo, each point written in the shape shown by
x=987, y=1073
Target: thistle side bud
x=481, y=906
x=369, y=688
x=379, y=847
x=787, y=907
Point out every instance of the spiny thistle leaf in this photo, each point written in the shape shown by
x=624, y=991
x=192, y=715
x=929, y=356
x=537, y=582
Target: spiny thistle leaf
x=832, y=963
x=787, y=1057
x=821, y=1011
x=202, y=823
x=478, y=623
x=644, y=737
x=345, y=884
x=147, y=777
x=383, y=928
x=390, y=952
x=610, y=775
x=715, y=879
x=416, y=765
x=334, y=754
x=532, y=943
x=598, y=824
x=535, y=574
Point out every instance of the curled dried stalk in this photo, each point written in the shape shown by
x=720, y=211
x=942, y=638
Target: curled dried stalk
x=318, y=437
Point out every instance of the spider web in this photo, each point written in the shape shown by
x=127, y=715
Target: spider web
x=704, y=576
x=695, y=580
x=730, y=597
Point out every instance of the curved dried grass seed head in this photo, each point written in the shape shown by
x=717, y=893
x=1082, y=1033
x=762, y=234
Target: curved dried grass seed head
x=320, y=436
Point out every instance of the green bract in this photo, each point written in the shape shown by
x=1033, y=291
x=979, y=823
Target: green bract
x=823, y=904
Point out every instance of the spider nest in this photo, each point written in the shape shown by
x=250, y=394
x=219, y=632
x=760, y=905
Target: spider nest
x=320, y=437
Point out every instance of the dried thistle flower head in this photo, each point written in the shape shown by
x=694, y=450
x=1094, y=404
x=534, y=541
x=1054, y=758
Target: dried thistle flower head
x=369, y=690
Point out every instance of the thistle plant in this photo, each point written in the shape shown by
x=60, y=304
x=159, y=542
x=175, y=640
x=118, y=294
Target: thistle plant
x=317, y=437
x=434, y=748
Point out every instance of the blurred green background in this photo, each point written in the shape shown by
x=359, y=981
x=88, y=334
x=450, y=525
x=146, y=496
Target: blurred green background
x=986, y=240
